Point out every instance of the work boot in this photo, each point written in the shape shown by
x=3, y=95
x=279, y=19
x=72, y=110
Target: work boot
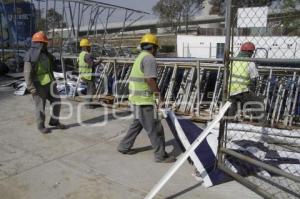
x=127, y=151
x=44, y=130
x=166, y=159
x=58, y=125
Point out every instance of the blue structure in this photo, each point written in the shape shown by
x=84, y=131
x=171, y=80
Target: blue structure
x=18, y=23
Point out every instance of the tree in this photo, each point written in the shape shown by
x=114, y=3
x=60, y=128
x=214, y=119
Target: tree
x=54, y=20
x=288, y=17
x=176, y=11
x=291, y=21
x=218, y=6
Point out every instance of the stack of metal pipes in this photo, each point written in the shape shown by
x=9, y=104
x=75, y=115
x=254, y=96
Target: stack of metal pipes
x=195, y=87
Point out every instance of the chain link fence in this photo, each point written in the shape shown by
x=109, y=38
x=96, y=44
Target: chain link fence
x=261, y=140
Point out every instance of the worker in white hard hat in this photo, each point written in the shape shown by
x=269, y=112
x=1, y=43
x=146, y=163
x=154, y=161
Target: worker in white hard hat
x=86, y=69
x=143, y=91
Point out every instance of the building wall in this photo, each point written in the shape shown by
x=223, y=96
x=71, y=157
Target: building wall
x=208, y=46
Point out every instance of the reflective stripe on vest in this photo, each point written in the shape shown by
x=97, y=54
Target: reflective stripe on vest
x=240, y=77
x=139, y=91
x=84, y=70
x=43, y=70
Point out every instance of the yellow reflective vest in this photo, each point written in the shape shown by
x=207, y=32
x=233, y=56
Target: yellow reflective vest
x=43, y=71
x=85, y=70
x=139, y=91
x=240, y=77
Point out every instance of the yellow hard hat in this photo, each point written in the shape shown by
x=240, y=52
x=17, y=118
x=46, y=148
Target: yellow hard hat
x=150, y=39
x=85, y=42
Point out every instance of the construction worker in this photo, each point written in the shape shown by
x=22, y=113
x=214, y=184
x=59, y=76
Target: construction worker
x=242, y=84
x=86, y=69
x=38, y=73
x=143, y=91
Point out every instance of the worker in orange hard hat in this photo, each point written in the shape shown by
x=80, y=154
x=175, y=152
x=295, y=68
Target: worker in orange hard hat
x=40, y=81
x=242, y=86
x=143, y=91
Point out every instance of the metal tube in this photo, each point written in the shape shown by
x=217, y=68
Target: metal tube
x=17, y=35
x=52, y=42
x=62, y=29
x=187, y=153
x=226, y=61
x=46, y=18
x=261, y=164
x=267, y=61
x=78, y=22
x=246, y=183
x=1, y=30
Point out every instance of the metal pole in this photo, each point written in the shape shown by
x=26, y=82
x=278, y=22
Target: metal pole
x=187, y=153
x=2, y=42
x=261, y=164
x=32, y=13
x=40, y=12
x=226, y=72
x=62, y=29
x=78, y=22
x=124, y=22
x=72, y=16
x=17, y=39
x=46, y=18
x=246, y=183
x=53, y=22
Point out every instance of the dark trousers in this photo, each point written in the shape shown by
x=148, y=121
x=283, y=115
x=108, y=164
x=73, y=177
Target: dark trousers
x=90, y=90
x=46, y=93
x=146, y=117
x=238, y=101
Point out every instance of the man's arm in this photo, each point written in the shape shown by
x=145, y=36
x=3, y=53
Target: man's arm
x=150, y=70
x=88, y=58
x=28, y=75
x=253, y=75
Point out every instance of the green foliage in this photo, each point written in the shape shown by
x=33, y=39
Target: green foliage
x=291, y=22
x=176, y=11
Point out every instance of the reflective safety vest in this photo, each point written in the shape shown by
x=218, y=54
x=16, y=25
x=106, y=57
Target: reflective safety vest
x=43, y=72
x=84, y=70
x=240, y=77
x=139, y=91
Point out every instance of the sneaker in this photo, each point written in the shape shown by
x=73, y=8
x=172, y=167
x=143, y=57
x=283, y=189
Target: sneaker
x=127, y=151
x=58, y=125
x=44, y=130
x=166, y=159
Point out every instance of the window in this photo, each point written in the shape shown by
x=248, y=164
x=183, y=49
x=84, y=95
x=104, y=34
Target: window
x=220, y=50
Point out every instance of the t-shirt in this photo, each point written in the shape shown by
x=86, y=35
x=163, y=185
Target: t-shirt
x=148, y=66
x=253, y=70
x=88, y=58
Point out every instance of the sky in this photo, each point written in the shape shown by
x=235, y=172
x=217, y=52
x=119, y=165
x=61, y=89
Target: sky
x=118, y=15
x=143, y=5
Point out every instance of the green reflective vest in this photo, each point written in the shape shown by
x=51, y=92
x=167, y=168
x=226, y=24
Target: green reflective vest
x=43, y=71
x=84, y=70
x=139, y=91
x=240, y=77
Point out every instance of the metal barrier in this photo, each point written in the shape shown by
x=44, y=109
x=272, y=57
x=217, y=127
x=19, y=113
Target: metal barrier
x=260, y=140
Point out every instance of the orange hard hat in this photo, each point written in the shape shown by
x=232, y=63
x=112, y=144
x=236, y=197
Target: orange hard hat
x=40, y=37
x=248, y=46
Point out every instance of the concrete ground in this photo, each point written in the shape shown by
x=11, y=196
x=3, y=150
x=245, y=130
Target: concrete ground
x=82, y=161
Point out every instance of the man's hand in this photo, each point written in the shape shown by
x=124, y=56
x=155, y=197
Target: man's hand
x=161, y=103
x=33, y=92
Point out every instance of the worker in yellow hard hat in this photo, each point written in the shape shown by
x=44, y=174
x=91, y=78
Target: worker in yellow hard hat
x=143, y=91
x=86, y=69
x=40, y=81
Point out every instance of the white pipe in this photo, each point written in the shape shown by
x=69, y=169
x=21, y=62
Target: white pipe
x=187, y=153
